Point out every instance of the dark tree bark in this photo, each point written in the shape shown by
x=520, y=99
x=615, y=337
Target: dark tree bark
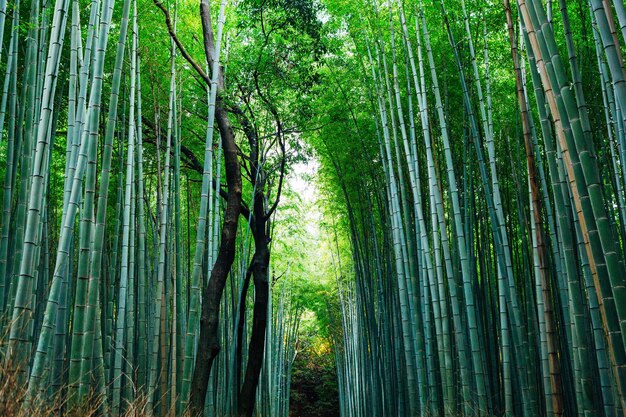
x=208, y=344
x=240, y=328
x=259, y=267
x=260, y=271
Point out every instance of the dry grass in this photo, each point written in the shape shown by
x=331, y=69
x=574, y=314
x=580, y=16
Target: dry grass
x=13, y=394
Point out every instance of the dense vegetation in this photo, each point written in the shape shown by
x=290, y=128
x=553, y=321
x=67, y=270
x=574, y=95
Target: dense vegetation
x=313, y=207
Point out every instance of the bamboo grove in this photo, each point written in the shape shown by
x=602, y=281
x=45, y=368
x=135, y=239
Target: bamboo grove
x=113, y=228
x=471, y=171
x=486, y=216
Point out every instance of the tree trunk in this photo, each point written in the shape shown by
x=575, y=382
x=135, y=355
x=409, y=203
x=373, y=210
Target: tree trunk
x=208, y=344
x=260, y=272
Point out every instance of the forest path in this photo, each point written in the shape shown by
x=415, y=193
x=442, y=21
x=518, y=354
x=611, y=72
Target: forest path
x=305, y=253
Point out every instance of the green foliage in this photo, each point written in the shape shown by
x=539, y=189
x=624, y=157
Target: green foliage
x=411, y=258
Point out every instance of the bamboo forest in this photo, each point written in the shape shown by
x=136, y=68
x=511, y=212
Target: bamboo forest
x=312, y=208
